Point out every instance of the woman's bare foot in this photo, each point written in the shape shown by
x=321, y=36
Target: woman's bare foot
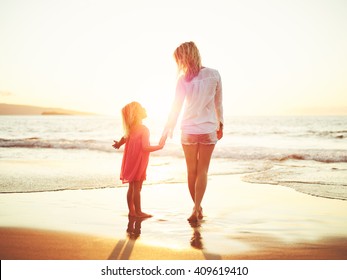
x=196, y=215
x=200, y=215
x=193, y=217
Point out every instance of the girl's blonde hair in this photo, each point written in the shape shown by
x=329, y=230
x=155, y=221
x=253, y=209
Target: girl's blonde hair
x=188, y=60
x=131, y=115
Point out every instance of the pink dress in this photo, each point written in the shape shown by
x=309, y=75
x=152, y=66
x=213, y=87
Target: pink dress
x=135, y=159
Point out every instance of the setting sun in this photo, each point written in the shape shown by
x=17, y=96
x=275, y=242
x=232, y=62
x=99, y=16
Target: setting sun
x=96, y=56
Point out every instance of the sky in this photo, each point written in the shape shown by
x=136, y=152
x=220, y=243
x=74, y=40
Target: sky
x=274, y=57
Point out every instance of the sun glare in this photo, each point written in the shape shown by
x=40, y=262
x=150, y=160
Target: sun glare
x=157, y=110
x=88, y=63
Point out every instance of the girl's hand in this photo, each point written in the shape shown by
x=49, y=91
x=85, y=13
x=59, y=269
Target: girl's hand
x=115, y=144
x=118, y=144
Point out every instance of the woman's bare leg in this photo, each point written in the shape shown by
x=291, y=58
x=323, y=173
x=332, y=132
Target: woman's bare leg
x=198, y=159
x=191, y=156
x=205, y=154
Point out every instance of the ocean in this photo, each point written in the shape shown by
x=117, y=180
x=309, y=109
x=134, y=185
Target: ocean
x=53, y=153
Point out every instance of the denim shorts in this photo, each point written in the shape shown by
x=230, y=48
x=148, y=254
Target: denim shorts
x=205, y=139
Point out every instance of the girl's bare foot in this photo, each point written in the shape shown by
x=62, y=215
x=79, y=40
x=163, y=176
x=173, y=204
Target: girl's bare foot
x=143, y=215
x=132, y=214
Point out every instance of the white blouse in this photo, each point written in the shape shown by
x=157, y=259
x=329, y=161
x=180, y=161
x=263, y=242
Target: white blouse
x=203, y=110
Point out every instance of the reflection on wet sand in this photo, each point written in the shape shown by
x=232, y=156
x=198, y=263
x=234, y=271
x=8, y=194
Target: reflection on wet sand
x=196, y=240
x=134, y=227
x=124, y=248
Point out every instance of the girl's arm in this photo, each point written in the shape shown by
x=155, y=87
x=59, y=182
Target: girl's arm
x=118, y=144
x=146, y=145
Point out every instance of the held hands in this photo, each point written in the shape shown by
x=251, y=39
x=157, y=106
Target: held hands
x=167, y=132
x=162, y=141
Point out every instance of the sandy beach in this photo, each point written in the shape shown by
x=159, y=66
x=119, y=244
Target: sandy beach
x=242, y=221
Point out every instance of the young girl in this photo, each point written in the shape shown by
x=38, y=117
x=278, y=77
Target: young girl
x=136, y=155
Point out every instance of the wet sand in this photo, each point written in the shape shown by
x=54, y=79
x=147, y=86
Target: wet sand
x=242, y=221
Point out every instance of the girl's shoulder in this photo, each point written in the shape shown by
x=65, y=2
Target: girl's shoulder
x=139, y=129
x=144, y=128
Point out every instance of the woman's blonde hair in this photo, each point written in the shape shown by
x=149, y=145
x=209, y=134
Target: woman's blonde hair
x=131, y=115
x=188, y=60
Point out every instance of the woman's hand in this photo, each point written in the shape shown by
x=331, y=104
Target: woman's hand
x=162, y=141
x=167, y=132
x=220, y=131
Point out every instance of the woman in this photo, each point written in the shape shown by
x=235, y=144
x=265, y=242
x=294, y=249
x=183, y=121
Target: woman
x=202, y=122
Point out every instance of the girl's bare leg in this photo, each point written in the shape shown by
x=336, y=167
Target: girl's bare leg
x=137, y=200
x=130, y=200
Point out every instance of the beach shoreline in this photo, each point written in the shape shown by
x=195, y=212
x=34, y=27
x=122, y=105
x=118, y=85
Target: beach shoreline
x=33, y=244
x=243, y=221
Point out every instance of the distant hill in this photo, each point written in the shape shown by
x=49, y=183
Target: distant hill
x=12, y=109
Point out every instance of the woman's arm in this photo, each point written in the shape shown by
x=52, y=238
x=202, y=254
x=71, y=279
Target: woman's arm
x=218, y=102
x=175, y=109
x=146, y=145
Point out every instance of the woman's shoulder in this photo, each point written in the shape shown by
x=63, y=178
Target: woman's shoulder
x=209, y=72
